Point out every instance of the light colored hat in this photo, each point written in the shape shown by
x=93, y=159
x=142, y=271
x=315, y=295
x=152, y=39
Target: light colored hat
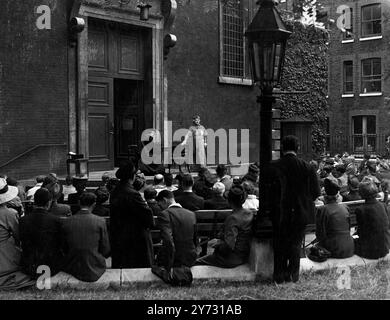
x=7, y=193
x=219, y=187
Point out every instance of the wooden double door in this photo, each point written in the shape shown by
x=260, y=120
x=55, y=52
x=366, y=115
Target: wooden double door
x=116, y=92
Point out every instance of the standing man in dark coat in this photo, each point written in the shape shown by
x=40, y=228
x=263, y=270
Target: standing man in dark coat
x=130, y=220
x=293, y=187
x=86, y=243
x=41, y=237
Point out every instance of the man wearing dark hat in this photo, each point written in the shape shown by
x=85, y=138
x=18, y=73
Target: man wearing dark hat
x=292, y=188
x=130, y=219
x=332, y=224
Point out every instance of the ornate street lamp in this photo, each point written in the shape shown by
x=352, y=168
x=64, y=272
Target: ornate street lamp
x=267, y=37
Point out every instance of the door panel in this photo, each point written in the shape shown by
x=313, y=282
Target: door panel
x=128, y=116
x=100, y=121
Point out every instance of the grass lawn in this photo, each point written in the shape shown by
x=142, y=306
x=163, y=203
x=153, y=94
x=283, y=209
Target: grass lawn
x=366, y=283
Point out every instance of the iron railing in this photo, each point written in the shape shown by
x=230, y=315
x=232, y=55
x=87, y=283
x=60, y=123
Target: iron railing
x=358, y=144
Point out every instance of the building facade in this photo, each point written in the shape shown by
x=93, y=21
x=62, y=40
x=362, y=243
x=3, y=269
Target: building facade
x=94, y=90
x=359, y=84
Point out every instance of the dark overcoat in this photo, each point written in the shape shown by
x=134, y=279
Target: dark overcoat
x=130, y=220
x=373, y=230
x=293, y=187
x=333, y=230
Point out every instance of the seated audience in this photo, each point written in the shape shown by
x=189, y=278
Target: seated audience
x=86, y=243
x=158, y=183
x=102, y=196
x=217, y=202
x=179, y=190
x=372, y=224
x=105, y=178
x=57, y=209
x=150, y=198
x=168, y=178
x=40, y=234
x=11, y=277
x=68, y=188
x=251, y=201
x=332, y=224
x=130, y=219
x=80, y=183
x=252, y=177
x=14, y=183
x=178, y=233
x=342, y=179
x=233, y=248
x=111, y=184
x=188, y=199
x=139, y=184
x=203, y=185
x=353, y=187
x=31, y=192
x=224, y=177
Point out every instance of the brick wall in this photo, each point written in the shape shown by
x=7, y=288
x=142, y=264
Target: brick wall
x=342, y=109
x=34, y=86
x=193, y=70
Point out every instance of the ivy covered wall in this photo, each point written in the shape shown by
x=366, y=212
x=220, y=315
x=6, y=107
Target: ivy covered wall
x=306, y=68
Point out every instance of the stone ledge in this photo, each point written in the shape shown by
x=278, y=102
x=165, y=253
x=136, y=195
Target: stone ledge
x=309, y=265
x=116, y=278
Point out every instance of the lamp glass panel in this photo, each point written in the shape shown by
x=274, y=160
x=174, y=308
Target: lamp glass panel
x=256, y=61
x=278, y=52
x=268, y=61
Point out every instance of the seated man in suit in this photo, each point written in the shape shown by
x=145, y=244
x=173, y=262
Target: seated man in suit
x=188, y=199
x=40, y=234
x=178, y=233
x=86, y=243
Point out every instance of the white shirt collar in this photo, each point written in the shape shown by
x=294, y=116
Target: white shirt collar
x=175, y=205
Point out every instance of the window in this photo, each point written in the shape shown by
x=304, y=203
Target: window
x=348, y=34
x=371, y=20
x=364, y=133
x=232, y=36
x=371, y=75
x=348, y=77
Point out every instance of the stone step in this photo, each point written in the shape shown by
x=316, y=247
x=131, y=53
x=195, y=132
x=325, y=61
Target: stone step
x=117, y=278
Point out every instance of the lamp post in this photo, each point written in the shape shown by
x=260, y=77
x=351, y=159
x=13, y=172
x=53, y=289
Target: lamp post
x=267, y=37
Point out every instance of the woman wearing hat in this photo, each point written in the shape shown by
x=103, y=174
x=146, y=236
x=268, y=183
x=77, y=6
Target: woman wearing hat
x=372, y=224
x=10, y=253
x=233, y=248
x=353, y=187
x=332, y=224
x=199, y=135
